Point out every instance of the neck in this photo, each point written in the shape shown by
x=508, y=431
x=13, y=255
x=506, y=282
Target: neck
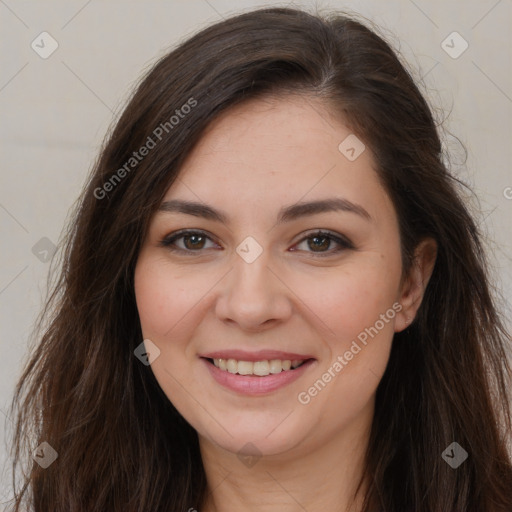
x=316, y=475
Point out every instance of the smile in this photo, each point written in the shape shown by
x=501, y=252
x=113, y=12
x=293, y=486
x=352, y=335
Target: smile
x=257, y=377
x=260, y=368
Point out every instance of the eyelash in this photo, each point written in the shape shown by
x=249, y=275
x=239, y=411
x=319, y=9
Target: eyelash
x=343, y=243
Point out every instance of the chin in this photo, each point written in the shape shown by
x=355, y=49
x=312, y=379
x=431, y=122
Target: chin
x=255, y=436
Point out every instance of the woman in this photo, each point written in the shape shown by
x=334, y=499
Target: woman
x=272, y=296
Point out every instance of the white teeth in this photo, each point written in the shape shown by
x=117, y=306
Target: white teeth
x=260, y=368
x=232, y=366
x=276, y=366
x=245, y=367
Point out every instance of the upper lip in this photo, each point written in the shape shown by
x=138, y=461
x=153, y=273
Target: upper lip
x=260, y=355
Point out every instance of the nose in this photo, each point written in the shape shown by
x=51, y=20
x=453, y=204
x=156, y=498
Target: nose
x=253, y=297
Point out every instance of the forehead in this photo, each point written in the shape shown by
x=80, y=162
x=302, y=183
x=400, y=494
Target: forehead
x=274, y=151
x=286, y=127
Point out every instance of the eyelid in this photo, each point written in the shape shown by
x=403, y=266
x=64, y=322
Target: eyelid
x=343, y=242
x=176, y=235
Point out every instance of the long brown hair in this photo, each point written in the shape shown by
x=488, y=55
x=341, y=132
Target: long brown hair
x=121, y=444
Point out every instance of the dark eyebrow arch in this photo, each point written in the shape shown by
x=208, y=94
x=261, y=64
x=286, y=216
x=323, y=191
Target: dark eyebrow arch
x=286, y=214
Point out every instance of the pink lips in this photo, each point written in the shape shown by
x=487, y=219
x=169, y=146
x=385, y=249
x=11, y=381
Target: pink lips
x=253, y=384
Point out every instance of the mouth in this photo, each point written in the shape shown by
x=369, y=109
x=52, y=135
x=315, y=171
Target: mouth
x=261, y=368
x=256, y=374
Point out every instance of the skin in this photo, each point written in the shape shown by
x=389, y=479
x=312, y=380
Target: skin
x=253, y=160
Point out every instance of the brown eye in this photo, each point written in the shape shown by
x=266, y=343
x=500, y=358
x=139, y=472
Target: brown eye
x=192, y=241
x=320, y=242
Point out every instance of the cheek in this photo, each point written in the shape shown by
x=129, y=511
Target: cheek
x=161, y=298
x=352, y=300
x=358, y=308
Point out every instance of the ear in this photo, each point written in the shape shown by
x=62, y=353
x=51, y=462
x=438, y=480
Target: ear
x=414, y=286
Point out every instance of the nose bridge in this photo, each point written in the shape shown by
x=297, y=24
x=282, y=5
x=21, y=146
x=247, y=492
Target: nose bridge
x=253, y=294
x=251, y=276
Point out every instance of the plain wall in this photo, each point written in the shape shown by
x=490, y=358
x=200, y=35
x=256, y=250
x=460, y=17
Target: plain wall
x=55, y=112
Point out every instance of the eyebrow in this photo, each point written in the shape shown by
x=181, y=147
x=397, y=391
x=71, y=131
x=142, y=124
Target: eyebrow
x=286, y=213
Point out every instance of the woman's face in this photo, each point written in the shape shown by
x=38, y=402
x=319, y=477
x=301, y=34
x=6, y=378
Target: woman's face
x=255, y=284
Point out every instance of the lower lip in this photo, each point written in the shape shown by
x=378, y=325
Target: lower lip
x=253, y=384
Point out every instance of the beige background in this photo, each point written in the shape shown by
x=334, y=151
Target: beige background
x=54, y=113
